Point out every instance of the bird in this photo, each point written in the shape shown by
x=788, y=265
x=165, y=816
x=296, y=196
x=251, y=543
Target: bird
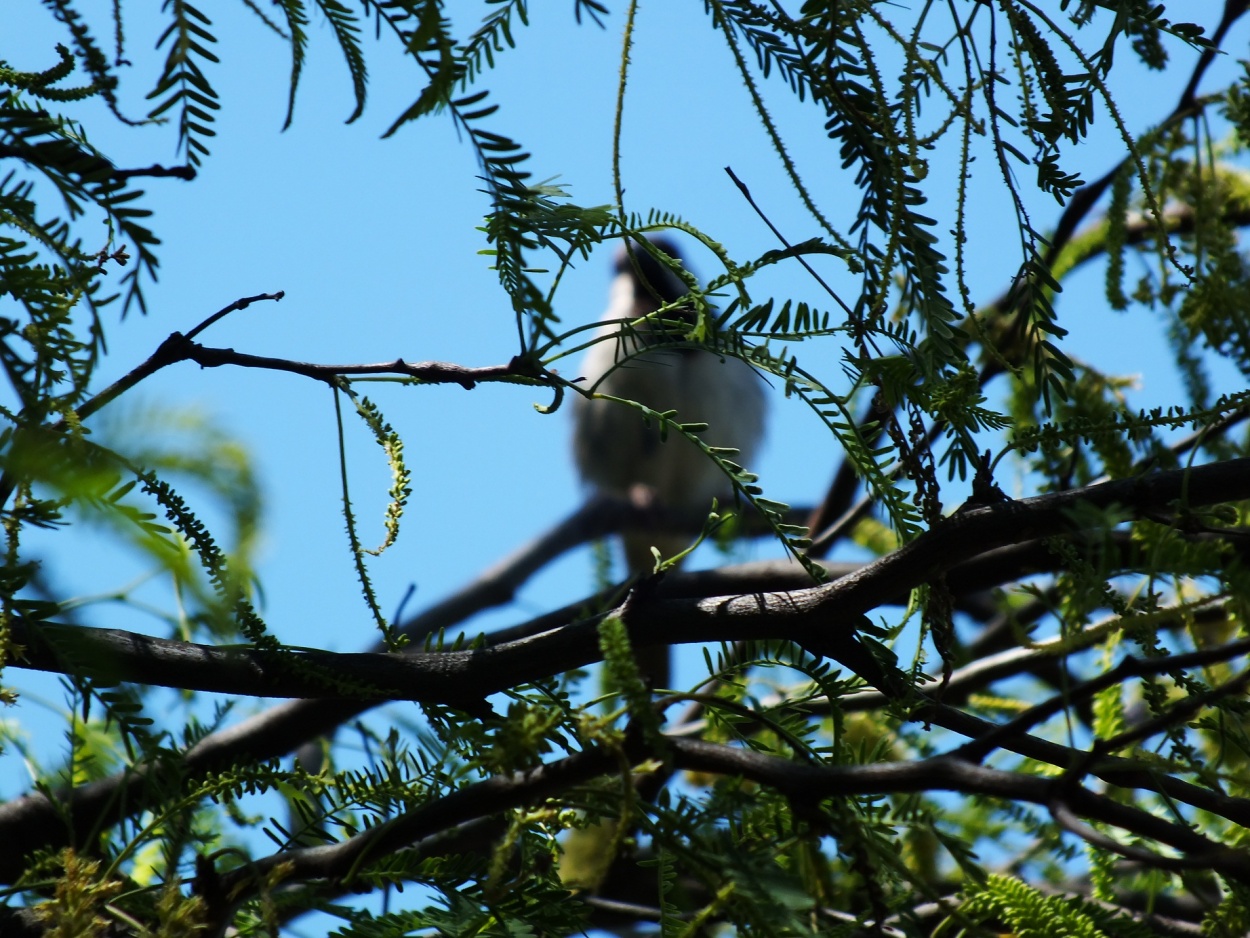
x=615, y=450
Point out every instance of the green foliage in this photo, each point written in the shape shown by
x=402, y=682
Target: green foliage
x=1027, y=912
x=1066, y=742
x=393, y=447
x=183, y=86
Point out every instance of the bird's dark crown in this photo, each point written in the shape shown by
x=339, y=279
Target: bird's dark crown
x=650, y=275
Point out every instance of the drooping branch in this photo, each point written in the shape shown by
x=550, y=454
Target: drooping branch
x=481, y=799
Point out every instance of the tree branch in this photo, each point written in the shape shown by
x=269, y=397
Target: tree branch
x=801, y=782
x=458, y=677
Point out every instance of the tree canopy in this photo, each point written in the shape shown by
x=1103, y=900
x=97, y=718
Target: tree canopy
x=990, y=680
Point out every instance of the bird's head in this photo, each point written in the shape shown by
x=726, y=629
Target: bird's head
x=654, y=284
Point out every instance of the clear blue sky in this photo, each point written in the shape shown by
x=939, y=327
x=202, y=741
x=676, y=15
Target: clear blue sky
x=375, y=243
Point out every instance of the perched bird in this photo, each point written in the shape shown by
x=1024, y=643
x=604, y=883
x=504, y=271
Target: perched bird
x=618, y=454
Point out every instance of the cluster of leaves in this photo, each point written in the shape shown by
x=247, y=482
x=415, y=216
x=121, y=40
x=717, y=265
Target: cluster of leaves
x=817, y=782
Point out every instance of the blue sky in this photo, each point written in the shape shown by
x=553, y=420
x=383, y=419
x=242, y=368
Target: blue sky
x=375, y=243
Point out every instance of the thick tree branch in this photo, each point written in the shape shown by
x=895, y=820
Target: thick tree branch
x=823, y=618
x=800, y=782
x=481, y=799
x=810, y=783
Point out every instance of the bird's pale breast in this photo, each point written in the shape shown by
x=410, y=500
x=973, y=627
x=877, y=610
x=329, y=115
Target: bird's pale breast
x=616, y=450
